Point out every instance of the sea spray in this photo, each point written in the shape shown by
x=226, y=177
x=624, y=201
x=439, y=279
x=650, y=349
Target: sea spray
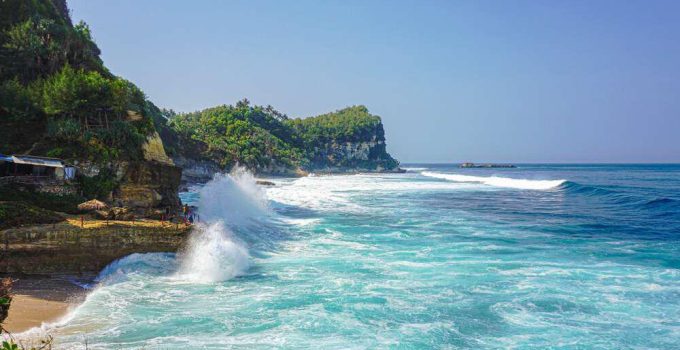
x=233, y=198
x=228, y=202
x=213, y=254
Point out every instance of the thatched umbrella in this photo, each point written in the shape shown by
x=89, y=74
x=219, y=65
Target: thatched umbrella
x=92, y=205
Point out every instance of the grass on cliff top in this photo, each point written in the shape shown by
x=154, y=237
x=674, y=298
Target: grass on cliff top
x=48, y=201
x=13, y=214
x=90, y=223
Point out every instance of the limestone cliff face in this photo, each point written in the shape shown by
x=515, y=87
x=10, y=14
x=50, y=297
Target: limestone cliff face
x=201, y=170
x=148, y=185
x=66, y=248
x=143, y=185
x=154, y=150
x=197, y=170
x=365, y=152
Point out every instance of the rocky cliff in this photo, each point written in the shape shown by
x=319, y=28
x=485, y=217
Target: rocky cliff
x=197, y=170
x=153, y=183
x=68, y=248
x=148, y=185
x=268, y=142
x=144, y=185
x=364, y=153
x=347, y=140
x=57, y=99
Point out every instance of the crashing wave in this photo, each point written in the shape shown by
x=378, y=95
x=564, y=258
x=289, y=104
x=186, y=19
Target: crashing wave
x=213, y=254
x=150, y=263
x=228, y=202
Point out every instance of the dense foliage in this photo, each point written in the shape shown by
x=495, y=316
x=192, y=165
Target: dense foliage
x=266, y=140
x=324, y=137
x=56, y=97
x=242, y=134
x=351, y=124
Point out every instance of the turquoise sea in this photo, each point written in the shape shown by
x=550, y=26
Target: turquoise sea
x=541, y=256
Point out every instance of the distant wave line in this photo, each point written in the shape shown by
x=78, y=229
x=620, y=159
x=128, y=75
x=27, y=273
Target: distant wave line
x=524, y=184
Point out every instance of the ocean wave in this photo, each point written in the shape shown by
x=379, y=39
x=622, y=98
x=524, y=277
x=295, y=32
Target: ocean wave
x=523, y=184
x=338, y=192
x=585, y=189
x=234, y=199
x=213, y=254
x=144, y=263
x=660, y=205
x=662, y=202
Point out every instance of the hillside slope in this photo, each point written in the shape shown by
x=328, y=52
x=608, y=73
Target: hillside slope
x=57, y=99
x=268, y=142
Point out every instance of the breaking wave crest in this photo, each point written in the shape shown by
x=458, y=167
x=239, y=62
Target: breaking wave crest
x=523, y=184
x=147, y=263
x=228, y=202
x=234, y=199
x=213, y=254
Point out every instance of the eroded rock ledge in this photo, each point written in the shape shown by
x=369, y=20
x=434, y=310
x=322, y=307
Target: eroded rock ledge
x=68, y=248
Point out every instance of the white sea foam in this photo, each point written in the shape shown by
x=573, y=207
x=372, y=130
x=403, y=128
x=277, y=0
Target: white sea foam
x=233, y=198
x=524, y=184
x=119, y=270
x=337, y=192
x=415, y=169
x=213, y=254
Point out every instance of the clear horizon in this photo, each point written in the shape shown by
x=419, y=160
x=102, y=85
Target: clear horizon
x=513, y=82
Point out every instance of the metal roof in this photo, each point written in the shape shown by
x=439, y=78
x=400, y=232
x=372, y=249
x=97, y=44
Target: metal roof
x=42, y=161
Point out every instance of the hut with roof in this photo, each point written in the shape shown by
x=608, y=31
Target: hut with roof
x=34, y=167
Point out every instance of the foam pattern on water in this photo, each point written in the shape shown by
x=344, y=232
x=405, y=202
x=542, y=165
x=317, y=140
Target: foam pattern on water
x=410, y=261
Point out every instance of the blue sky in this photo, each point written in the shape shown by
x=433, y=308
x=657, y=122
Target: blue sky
x=510, y=81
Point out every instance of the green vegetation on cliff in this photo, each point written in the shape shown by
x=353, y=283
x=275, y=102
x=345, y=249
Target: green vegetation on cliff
x=56, y=97
x=13, y=214
x=348, y=138
x=249, y=135
x=265, y=140
x=66, y=203
x=351, y=124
